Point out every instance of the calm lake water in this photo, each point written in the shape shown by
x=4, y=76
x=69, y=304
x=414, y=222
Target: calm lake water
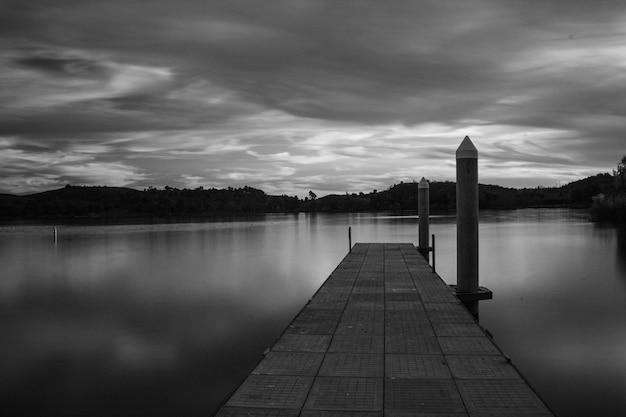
x=166, y=319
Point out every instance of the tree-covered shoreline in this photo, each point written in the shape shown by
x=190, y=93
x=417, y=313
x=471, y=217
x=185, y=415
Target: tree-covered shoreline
x=119, y=203
x=610, y=206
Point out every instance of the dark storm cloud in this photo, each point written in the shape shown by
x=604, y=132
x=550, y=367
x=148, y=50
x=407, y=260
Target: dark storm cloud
x=379, y=65
x=284, y=90
x=82, y=123
x=306, y=58
x=45, y=60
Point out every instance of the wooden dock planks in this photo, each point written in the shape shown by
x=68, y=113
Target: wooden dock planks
x=384, y=335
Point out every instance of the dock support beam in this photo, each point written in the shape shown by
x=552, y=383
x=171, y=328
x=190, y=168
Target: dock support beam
x=467, y=225
x=423, y=202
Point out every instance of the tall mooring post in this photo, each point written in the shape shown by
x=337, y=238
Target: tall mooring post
x=467, y=288
x=423, y=205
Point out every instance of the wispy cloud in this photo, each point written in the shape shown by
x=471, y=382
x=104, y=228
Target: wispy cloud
x=295, y=95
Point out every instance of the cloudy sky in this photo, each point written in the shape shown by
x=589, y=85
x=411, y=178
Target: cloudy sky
x=297, y=95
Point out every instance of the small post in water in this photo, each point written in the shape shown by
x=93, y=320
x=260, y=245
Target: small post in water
x=350, y=239
x=423, y=204
x=55, y=234
x=467, y=221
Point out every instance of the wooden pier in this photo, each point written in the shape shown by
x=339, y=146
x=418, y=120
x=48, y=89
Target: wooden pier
x=384, y=335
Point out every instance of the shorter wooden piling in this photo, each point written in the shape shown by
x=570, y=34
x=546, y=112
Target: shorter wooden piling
x=434, y=253
x=423, y=203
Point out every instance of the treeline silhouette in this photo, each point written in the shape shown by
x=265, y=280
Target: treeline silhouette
x=610, y=206
x=442, y=197
x=116, y=202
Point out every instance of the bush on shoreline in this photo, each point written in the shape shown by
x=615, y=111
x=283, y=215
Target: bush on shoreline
x=609, y=209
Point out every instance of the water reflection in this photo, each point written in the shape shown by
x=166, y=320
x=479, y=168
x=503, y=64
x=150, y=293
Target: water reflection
x=165, y=319
x=620, y=247
x=558, y=311
x=145, y=319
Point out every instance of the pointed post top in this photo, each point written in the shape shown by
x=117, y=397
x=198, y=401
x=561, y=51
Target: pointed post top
x=423, y=183
x=467, y=150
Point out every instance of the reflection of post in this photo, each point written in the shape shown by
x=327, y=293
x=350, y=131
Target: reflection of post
x=467, y=221
x=423, y=203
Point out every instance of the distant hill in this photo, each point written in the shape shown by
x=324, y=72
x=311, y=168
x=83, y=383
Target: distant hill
x=116, y=202
x=403, y=196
